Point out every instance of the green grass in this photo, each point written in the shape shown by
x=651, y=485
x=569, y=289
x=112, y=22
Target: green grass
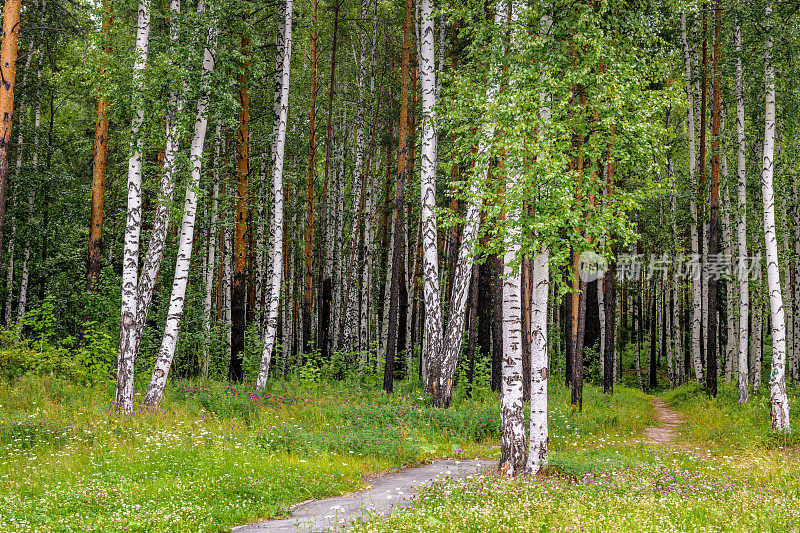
x=726, y=472
x=218, y=455
x=215, y=455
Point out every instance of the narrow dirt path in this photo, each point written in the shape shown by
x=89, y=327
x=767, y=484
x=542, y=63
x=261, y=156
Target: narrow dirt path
x=385, y=495
x=669, y=419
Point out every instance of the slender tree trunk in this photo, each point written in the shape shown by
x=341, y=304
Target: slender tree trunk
x=777, y=380
x=430, y=253
x=741, y=224
x=308, y=264
x=212, y=250
x=714, y=222
x=239, y=285
x=326, y=288
x=128, y=344
x=399, y=201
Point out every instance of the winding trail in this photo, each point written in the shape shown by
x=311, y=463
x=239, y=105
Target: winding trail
x=385, y=495
x=669, y=419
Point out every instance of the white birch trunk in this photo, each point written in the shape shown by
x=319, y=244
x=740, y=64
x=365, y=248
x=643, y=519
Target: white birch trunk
x=133, y=226
x=512, y=453
x=430, y=251
x=741, y=223
x=601, y=311
x=169, y=342
x=777, y=381
x=540, y=369
x=24, y=280
x=756, y=342
x=276, y=254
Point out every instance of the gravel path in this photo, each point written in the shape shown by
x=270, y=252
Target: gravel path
x=670, y=420
x=386, y=494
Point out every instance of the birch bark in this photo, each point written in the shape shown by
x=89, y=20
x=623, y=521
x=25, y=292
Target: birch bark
x=276, y=254
x=777, y=380
x=128, y=343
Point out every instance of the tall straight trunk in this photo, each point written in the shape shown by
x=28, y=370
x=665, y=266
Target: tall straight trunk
x=8, y=74
x=696, y=283
x=161, y=219
x=166, y=353
x=540, y=370
x=399, y=201
x=128, y=343
x=212, y=251
x=757, y=324
x=795, y=276
x=308, y=263
x=714, y=200
x=239, y=285
x=702, y=227
x=741, y=223
x=99, y=165
x=326, y=287
x=512, y=452
x=777, y=380
x=277, y=231
x=601, y=318
x=430, y=252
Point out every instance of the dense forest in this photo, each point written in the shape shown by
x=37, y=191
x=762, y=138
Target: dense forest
x=464, y=193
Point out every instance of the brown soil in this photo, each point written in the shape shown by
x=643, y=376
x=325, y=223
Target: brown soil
x=669, y=419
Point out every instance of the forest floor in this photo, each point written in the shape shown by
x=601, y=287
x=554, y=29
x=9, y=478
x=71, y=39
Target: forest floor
x=219, y=455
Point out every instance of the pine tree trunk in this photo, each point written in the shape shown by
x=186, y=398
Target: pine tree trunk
x=239, y=282
x=714, y=221
x=99, y=165
x=8, y=66
x=777, y=380
x=399, y=201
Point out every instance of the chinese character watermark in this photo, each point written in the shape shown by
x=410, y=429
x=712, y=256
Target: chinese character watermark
x=635, y=267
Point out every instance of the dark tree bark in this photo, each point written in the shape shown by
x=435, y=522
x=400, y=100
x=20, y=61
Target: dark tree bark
x=714, y=200
x=527, y=301
x=399, y=201
x=497, y=322
x=239, y=287
x=308, y=264
x=326, y=287
x=610, y=308
x=653, y=378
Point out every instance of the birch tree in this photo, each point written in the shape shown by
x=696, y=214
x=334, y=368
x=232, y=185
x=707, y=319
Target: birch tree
x=741, y=224
x=277, y=228
x=777, y=380
x=128, y=342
